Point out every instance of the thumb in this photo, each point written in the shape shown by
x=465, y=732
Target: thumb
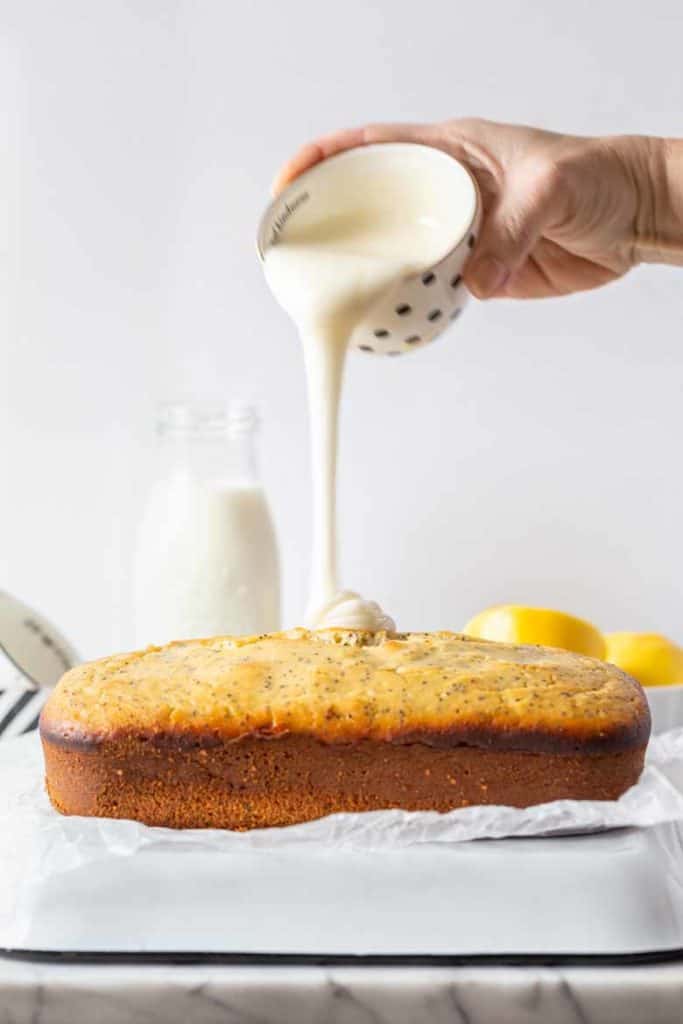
x=510, y=232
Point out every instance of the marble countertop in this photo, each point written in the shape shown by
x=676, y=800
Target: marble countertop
x=50, y=994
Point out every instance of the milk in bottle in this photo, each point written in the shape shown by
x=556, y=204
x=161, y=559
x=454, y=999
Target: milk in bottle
x=206, y=555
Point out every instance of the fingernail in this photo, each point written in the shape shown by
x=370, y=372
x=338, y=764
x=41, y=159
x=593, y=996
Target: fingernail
x=486, y=276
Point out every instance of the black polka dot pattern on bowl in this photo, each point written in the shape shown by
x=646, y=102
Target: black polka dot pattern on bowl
x=421, y=307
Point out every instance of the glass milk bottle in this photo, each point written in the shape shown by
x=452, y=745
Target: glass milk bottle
x=206, y=560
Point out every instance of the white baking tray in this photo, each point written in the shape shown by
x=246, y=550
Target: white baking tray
x=616, y=893
x=611, y=895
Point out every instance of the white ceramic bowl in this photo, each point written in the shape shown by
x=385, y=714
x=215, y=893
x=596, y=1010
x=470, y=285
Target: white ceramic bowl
x=419, y=307
x=666, y=706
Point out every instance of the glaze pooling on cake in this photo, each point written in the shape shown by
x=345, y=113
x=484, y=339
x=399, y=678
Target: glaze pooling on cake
x=348, y=610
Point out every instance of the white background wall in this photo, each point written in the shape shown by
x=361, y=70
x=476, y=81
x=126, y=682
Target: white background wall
x=533, y=455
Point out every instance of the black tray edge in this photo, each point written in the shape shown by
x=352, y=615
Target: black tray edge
x=102, y=957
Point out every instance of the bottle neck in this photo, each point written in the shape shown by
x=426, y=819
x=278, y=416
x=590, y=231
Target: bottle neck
x=220, y=450
x=218, y=460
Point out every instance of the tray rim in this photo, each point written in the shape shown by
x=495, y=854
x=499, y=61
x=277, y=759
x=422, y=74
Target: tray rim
x=113, y=958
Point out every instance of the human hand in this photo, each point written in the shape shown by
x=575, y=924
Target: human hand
x=561, y=213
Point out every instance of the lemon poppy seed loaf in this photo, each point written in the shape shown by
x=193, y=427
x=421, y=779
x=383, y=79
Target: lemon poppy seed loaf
x=270, y=730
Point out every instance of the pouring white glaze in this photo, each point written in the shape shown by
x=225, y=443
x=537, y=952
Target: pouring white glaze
x=326, y=271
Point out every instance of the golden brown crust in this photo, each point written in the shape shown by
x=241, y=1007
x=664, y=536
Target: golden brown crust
x=257, y=783
x=338, y=686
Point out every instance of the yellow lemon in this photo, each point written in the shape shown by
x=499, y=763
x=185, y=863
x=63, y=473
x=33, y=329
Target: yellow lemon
x=515, y=624
x=650, y=658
